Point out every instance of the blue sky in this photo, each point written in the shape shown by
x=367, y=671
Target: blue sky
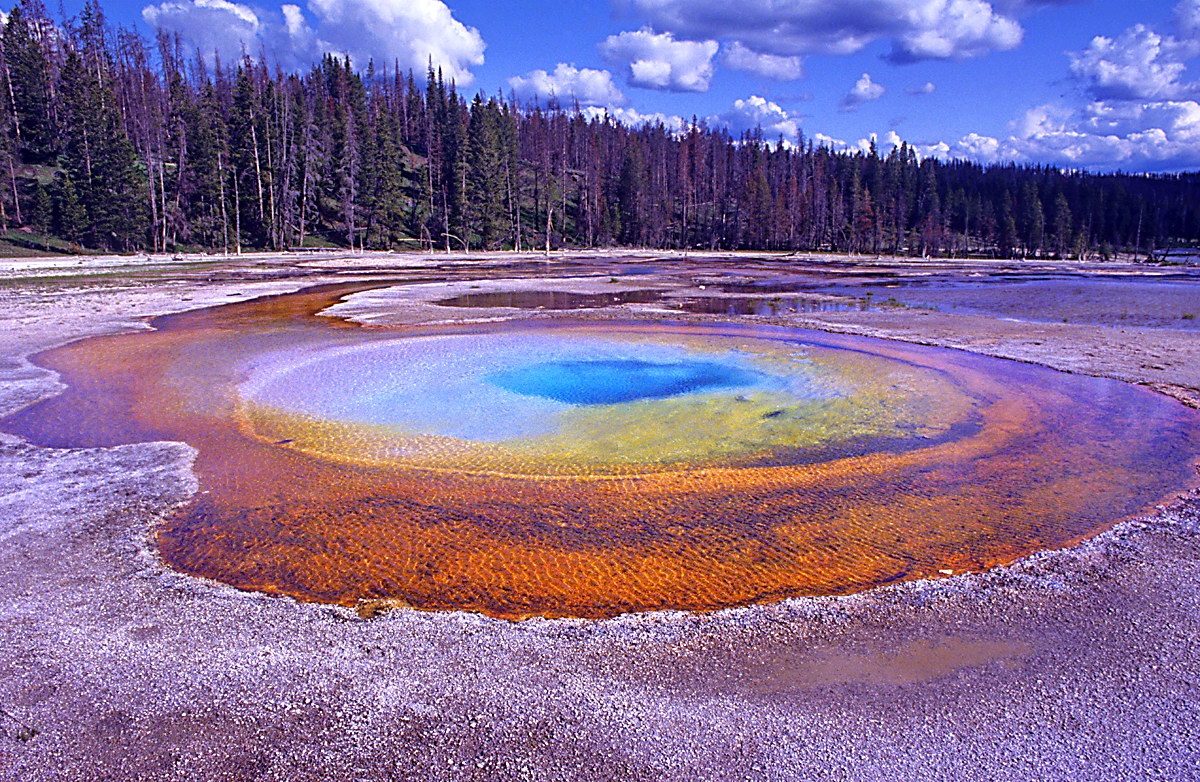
x=1100, y=84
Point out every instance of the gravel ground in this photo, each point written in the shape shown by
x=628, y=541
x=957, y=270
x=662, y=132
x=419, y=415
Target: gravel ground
x=1076, y=664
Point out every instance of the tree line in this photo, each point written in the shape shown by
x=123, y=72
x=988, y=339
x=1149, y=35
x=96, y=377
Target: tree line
x=114, y=142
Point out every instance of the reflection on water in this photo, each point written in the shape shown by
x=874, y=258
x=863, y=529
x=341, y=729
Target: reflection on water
x=790, y=671
x=1172, y=302
x=855, y=463
x=549, y=300
x=778, y=305
x=771, y=285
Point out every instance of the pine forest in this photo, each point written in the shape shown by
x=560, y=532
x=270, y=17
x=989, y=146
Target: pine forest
x=112, y=142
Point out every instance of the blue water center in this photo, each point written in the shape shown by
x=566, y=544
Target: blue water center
x=612, y=381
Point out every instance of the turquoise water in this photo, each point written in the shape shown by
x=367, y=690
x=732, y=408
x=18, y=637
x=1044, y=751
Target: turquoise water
x=613, y=381
x=498, y=387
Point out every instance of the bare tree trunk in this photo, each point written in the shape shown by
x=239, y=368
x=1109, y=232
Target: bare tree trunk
x=162, y=193
x=303, y=200
x=12, y=175
x=1137, y=243
x=153, y=202
x=237, y=213
x=12, y=100
x=262, y=214
x=224, y=211
x=274, y=231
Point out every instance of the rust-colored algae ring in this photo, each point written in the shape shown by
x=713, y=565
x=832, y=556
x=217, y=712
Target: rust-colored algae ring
x=574, y=468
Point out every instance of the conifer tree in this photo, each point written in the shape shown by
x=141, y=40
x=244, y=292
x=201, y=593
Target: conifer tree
x=146, y=152
x=41, y=209
x=68, y=218
x=1008, y=236
x=485, y=173
x=390, y=185
x=454, y=167
x=1033, y=219
x=100, y=161
x=27, y=75
x=629, y=190
x=1063, y=230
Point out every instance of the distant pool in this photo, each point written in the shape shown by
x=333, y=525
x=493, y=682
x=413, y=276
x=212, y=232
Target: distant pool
x=1138, y=302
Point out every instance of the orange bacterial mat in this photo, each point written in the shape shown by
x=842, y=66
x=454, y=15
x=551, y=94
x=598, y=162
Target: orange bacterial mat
x=512, y=468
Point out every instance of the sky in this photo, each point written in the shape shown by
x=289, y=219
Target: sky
x=1094, y=84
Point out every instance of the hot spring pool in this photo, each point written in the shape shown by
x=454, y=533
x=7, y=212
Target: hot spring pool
x=585, y=401
x=589, y=468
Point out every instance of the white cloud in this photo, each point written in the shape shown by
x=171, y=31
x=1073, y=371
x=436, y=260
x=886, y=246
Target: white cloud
x=863, y=91
x=1021, y=6
x=1151, y=136
x=1187, y=17
x=928, y=88
x=984, y=149
x=773, y=66
x=219, y=26
x=1140, y=64
x=829, y=142
x=1142, y=116
x=889, y=140
x=588, y=86
x=293, y=20
x=414, y=31
x=757, y=112
x=635, y=119
x=917, y=29
x=892, y=140
x=411, y=32
x=659, y=62
x=955, y=30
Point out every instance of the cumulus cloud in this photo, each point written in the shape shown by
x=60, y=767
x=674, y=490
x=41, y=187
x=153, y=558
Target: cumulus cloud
x=773, y=66
x=633, y=118
x=1139, y=64
x=1140, y=115
x=219, y=26
x=928, y=88
x=955, y=30
x=1187, y=17
x=890, y=140
x=1151, y=136
x=917, y=29
x=659, y=62
x=757, y=112
x=588, y=86
x=410, y=32
x=1103, y=135
x=863, y=91
x=1020, y=6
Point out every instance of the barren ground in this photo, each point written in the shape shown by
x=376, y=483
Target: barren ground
x=1075, y=664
